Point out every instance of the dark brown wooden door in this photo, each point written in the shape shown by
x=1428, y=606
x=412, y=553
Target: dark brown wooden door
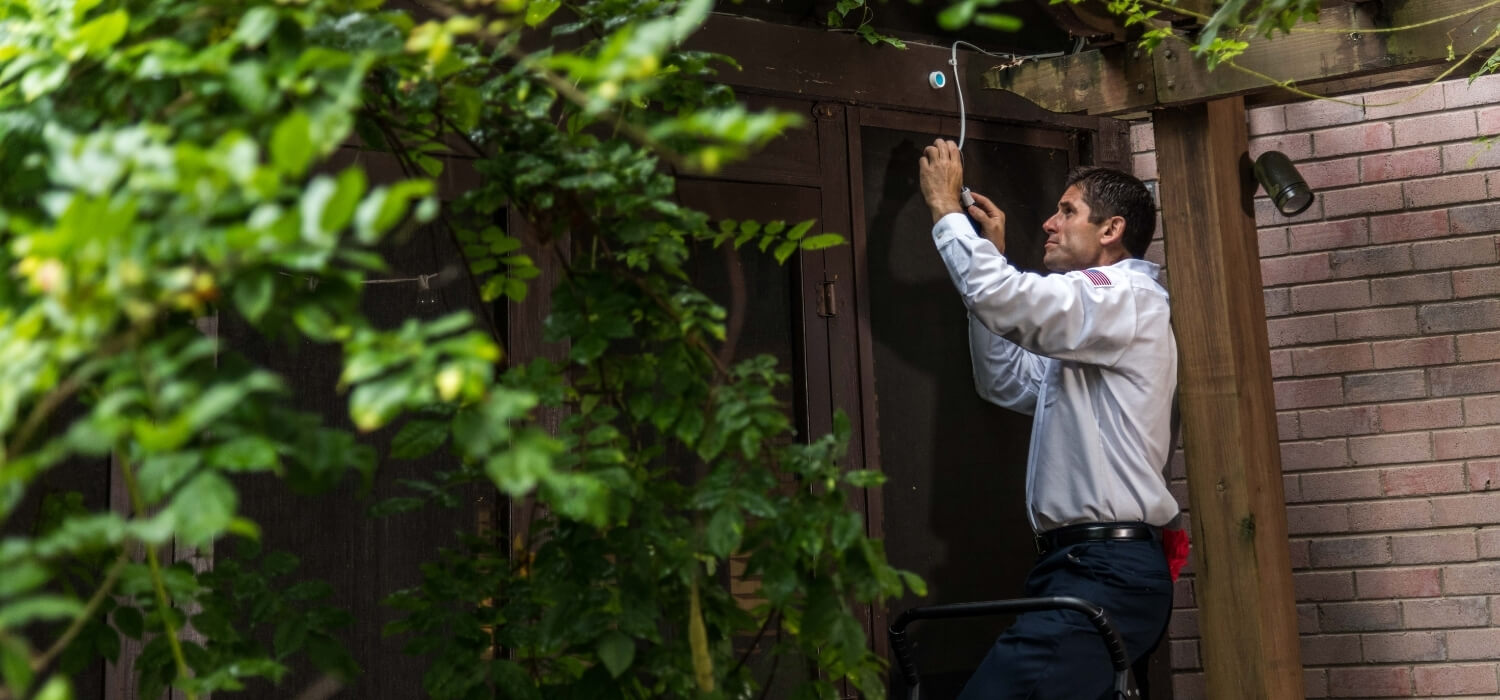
x=333, y=534
x=952, y=507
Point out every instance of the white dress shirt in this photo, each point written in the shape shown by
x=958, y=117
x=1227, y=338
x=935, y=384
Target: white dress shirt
x=1091, y=355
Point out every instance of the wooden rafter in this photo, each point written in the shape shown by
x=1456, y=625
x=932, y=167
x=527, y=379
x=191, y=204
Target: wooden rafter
x=1344, y=44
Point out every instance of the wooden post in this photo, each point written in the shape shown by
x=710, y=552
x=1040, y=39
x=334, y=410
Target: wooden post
x=1247, y=611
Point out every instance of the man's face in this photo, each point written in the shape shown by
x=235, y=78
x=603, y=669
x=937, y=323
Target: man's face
x=1072, y=242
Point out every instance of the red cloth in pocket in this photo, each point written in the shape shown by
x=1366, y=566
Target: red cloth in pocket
x=1175, y=544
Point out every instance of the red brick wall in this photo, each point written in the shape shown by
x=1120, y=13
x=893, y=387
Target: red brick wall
x=1383, y=310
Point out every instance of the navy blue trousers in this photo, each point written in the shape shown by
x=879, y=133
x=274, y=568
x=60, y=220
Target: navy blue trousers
x=1058, y=655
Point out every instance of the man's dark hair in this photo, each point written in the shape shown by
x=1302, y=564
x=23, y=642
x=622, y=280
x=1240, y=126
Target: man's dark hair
x=1109, y=192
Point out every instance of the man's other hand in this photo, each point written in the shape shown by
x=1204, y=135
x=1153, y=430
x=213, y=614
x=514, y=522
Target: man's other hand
x=990, y=219
x=941, y=174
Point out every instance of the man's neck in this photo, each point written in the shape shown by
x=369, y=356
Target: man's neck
x=1107, y=258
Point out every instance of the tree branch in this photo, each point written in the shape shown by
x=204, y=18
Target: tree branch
x=162, y=600
x=65, y=390
x=753, y=644
x=84, y=615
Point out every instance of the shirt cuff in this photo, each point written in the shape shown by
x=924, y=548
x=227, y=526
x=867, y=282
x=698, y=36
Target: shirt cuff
x=953, y=225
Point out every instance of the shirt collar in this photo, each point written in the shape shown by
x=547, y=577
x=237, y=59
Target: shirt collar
x=1145, y=267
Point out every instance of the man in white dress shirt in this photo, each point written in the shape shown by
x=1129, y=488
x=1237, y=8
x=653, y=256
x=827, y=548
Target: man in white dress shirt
x=1089, y=353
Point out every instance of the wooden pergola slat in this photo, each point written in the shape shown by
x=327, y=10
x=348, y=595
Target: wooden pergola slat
x=1346, y=42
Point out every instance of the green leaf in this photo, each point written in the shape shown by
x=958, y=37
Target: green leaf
x=309, y=590
x=868, y=33
x=512, y=681
x=22, y=576
x=800, y=230
x=537, y=11
x=430, y=165
x=246, y=453
x=465, y=103
x=44, y=79
x=279, y=563
x=291, y=144
x=957, y=15
x=204, y=508
x=517, y=470
x=864, y=478
x=617, y=651
x=725, y=530
x=329, y=656
x=821, y=241
x=373, y=404
x=785, y=251
x=419, y=438
x=515, y=290
x=846, y=528
x=998, y=22
x=56, y=688
x=253, y=294
x=256, y=26
x=38, y=608
x=291, y=634
x=385, y=207
x=15, y=666
x=103, y=32
x=129, y=621
x=316, y=197
x=340, y=207
x=915, y=583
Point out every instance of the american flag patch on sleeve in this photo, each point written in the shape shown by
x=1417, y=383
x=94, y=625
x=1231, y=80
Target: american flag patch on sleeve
x=1098, y=278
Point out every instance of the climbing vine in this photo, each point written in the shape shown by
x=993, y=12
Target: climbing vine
x=168, y=162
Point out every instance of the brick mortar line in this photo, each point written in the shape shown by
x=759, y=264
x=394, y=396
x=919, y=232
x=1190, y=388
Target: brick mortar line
x=1383, y=275
x=1351, y=404
x=1336, y=471
x=1408, y=304
x=1398, y=568
x=1367, y=534
x=1367, y=246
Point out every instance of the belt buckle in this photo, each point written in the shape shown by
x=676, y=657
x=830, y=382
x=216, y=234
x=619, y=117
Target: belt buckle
x=1040, y=543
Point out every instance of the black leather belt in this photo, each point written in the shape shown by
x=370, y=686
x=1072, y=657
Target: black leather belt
x=1053, y=540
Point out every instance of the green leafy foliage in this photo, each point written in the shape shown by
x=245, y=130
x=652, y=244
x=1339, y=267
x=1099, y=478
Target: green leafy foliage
x=862, y=13
x=168, y=163
x=961, y=14
x=1490, y=65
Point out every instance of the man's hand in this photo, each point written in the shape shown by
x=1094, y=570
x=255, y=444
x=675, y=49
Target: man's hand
x=990, y=219
x=941, y=174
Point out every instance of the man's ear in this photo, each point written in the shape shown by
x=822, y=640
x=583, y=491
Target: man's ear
x=1113, y=233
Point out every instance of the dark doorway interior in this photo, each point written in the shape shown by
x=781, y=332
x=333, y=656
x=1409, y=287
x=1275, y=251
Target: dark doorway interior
x=955, y=465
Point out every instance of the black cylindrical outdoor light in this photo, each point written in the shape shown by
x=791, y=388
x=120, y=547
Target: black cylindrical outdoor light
x=1288, y=191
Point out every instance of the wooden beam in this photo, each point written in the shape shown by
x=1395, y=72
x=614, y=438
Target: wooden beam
x=778, y=59
x=1344, y=44
x=1247, y=610
x=1112, y=80
x=1090, y=18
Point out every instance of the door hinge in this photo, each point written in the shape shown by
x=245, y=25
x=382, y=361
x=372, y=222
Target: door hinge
x=827, y=298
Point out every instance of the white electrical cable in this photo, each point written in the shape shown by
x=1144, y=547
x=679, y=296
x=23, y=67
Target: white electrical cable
x=963, y=120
